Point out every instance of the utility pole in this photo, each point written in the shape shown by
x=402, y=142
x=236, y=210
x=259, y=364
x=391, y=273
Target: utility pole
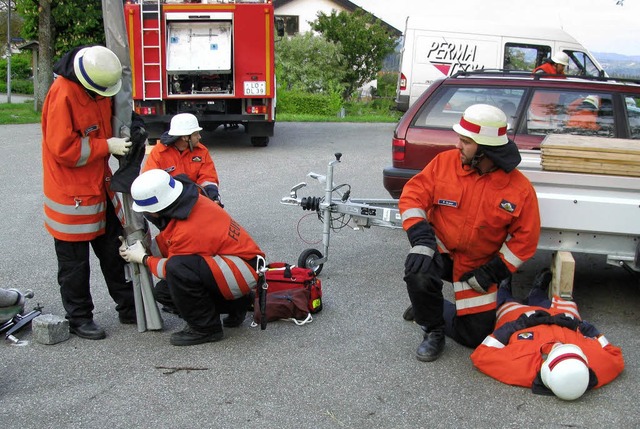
x=9, y=51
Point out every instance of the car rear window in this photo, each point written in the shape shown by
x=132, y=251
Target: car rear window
x=446, y=106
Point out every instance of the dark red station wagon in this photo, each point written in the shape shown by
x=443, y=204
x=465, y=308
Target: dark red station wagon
x=535, y=106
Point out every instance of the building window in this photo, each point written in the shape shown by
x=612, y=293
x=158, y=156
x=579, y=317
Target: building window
x=291, y=26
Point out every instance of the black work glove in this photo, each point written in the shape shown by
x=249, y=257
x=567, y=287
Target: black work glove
x=212, y=192
x=588, y=330
x=423, y=247
x=138, y=132
x=484, y=276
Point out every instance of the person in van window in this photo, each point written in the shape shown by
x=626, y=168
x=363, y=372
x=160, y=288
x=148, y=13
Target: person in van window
x=471, y=218
x=80, y=208
x=180, y=152
x=555, y=65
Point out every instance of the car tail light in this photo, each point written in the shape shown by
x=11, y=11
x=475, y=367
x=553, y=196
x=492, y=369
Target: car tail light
x=141, y=110
x=257, y=110
x=397, y=149
x=403, y=82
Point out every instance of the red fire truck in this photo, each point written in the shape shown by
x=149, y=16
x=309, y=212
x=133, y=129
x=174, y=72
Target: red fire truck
x=212, y=58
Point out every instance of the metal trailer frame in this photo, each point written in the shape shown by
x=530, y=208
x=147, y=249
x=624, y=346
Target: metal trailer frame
x=581, y=213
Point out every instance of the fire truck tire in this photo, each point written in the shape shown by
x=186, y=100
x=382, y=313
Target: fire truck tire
x=309, y=258
x=260, y=141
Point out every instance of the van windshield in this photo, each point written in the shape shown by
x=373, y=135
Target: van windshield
x=580, y=64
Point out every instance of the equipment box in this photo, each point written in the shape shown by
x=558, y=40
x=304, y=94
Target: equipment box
x=199, y=47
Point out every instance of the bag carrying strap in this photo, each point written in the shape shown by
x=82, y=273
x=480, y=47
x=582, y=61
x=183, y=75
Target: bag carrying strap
x=306, y=320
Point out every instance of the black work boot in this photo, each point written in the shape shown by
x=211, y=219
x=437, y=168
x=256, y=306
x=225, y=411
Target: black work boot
x=190, y=337
x=238, y=311
x=88, y=329
x=432, y=346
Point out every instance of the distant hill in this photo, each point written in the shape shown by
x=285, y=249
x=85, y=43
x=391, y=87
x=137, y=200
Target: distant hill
x=619, y=65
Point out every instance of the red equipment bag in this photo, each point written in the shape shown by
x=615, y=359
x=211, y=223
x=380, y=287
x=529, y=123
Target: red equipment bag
x=292, y=293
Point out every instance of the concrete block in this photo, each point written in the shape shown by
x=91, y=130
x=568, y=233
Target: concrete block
x=50, y=329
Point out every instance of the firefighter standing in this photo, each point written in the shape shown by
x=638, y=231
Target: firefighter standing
x=80, y=209
x=555, y=65
x=545, y=345
x=181, y=152
x=472, y=218
x=209, y=261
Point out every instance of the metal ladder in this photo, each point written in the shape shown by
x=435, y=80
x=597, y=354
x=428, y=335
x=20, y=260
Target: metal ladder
x=151, y=85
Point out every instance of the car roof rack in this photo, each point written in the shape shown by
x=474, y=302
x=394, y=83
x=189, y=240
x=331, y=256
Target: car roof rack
x=538, y=76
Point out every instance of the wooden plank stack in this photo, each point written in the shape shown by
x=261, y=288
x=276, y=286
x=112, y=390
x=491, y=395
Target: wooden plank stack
x=593, y=155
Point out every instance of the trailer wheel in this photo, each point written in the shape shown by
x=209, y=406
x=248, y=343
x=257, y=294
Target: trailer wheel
x=309, y=258
x=260, y=141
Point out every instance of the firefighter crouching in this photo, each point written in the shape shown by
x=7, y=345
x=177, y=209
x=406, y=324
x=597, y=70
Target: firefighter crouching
x=180, y=152
x=471, y=218
x=543, y=344
x=209, y=261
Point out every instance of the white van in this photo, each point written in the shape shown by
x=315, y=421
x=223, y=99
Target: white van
x=434, y=48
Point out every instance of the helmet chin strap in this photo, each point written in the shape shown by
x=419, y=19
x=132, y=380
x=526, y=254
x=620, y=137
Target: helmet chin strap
x=479, y=156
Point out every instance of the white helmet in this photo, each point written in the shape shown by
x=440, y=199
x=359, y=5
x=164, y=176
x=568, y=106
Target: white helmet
x=98, y=70
x=566, y=372
x=184, y=124
x=154, y=190
x=485, y=124
x=560, y=58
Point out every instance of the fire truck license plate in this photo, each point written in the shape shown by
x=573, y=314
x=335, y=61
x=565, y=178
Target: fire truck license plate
x=255, y=88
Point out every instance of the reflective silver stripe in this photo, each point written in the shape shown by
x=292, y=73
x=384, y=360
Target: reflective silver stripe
x=117, y=203
x=440, y=244
x=224, y=262
x=409, y=213
x=566, y=306
x=207, y=183
x=603, y=341
x=160, y=268
x=85, y=152
x=508, y=307
x=66, y=228
x=477, y=301
x=508, y=256
x=490, y=341
x=422, y=250
x=72, y=210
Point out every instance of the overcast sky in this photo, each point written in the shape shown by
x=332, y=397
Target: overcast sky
x=600, y=25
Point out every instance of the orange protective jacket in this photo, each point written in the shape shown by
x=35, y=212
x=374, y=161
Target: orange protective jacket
x=547, y=68
x=196, y=164
x=475, y=217
x=518, y=362
x=75, y=156
x=210, y=232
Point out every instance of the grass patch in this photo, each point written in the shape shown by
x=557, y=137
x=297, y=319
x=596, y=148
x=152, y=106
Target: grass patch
x=18, y=113
x=292, y=117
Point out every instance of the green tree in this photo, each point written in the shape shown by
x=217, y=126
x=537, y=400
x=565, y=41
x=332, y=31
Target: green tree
x=74, y=23
x=309, y=63
x=364, y=41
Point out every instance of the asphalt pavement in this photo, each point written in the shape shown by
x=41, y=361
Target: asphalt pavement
x=352, y=367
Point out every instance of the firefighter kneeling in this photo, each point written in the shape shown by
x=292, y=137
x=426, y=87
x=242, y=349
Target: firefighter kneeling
x=209, y=260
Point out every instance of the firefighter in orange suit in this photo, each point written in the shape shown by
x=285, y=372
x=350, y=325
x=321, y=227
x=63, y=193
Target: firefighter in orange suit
x=80, y=209
x=556, y=65
x=471, y=218
x=181, y=152
x=209, y=261
x=526, y=347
